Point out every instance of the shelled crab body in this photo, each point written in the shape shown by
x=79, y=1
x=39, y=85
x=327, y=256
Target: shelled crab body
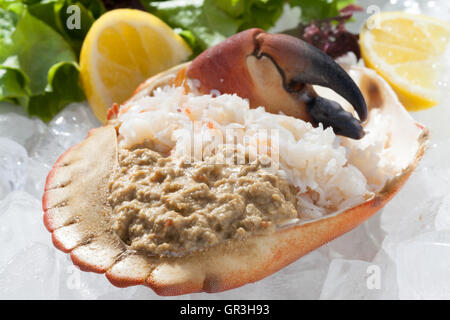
x=284, y=75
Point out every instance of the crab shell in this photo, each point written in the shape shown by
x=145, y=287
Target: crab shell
x=76, y=211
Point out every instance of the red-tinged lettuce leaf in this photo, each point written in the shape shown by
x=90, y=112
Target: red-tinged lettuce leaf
x=329, y=34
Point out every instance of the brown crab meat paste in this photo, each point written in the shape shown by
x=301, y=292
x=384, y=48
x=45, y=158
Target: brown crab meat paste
x=163, y=206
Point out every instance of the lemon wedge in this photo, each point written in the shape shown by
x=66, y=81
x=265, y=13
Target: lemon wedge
x=408, y=50
x=123, y=48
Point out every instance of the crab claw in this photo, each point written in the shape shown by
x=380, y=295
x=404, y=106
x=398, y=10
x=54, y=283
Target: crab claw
x=277, y=71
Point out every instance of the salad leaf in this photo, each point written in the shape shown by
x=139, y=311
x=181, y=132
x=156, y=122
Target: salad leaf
x=36, y=64
x=329, y=34
x=39, y=50
x=204, y=23
x=61, y=91
x=319, y=9
x=12, y=86
x=56, y=13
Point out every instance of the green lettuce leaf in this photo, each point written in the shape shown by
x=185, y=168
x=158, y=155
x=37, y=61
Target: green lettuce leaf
x=319, y=9
x=55, y=14
x=39, y=52
x=204, y=23
x=60, y=92
x=36, y=64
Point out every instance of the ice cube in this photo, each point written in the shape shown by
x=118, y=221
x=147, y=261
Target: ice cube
x=300, y=280
x=21, y=224
x=362, y=243
x=13, y=166
x=353, y=279
x=20, y=128
x=76, y=284
x=442, y=221
x=437, y=9
x=36, y=177
x=33, y=273
x=410, y=6
x=413, y=210
x=69, y=127
x=145, y=293
x=436, y=120
x=423, y=266
x=356, y=279
x=389, y=288
x=74, y=122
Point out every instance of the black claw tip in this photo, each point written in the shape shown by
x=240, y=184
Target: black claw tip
x=331, y=114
